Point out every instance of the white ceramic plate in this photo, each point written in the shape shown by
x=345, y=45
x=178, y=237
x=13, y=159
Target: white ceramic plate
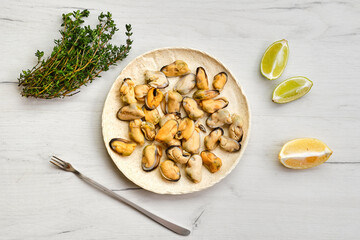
x=113, y=128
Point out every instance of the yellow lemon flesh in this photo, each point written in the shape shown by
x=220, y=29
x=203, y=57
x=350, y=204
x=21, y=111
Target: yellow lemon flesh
x=304, y=153
x=275, y=59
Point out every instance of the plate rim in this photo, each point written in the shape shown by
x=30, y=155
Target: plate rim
x=244, y=144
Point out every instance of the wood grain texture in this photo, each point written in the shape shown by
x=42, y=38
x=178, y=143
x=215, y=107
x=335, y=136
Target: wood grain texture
x=260, y=199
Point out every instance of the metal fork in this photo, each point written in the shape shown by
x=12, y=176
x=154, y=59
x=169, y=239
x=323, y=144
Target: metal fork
x=169, y=225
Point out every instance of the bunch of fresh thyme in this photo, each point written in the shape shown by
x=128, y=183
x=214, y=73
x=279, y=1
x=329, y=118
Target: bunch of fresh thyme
x=77, y=58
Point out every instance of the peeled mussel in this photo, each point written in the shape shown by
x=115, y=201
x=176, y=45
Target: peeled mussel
x=152, y=116
x=177, y=154
x=211, y=161
x=173, y=142
x=156, y=79
x=229, y=144
x=193, y=168
x=153, y=98
x=149, y=130
x=130, y=112
x=127, y=94
x=122, y=146
x=167, y=117
x=201, y=79
x=235, y=129
x=141, y=92
x=175, y=69
x=167, y=132
x=219, y=119
x=170, y=171
x=151, y=157
x=172, y=102
x=211, y=141
x=185, y=84
x=201, y=127
x=192, y=145
x=220, y=80
x=185, y=129
x=200, y=95
x=212, y=105
x=135, y=132
x=192, y=109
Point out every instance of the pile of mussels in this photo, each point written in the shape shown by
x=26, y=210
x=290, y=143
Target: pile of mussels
x=181, y=136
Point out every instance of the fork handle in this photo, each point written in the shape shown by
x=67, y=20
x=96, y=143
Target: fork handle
x=173, y=227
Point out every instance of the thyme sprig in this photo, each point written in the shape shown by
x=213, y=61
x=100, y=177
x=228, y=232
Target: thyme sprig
x=77, y=58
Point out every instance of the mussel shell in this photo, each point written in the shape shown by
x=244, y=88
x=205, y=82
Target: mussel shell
x=125, y=150
x=185, y=84
x=153, y=151
x=170, y=171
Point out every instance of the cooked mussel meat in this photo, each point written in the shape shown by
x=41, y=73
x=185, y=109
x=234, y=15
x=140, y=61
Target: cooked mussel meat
x=185, y=84
x=167, y=132
x=177, y=154
x=211, y=161
x=220, y=80
x=175, y=69
x=130, y=112
x=229, y=144
x=172, y=102
x=170, y=171
x=153, y=98
x=127, y=93
x=194, y=168
x=156, y=79
x=192, y=108
x=192, y=145
x=149, y=130
x=135, y=132
x=152, y=116
x=151, y=157
x=219, y=119
x=185, y=129
x=201, y=79
x=213, y=105
x=122, y=146
x=200, y=95
x=211, y=141
x=167, y=117
x=141, y=92
x=235, y=129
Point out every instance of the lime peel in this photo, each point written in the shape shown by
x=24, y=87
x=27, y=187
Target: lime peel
x=274, y=60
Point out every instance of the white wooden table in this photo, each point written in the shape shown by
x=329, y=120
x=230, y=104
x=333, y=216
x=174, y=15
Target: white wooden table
x=260, y=199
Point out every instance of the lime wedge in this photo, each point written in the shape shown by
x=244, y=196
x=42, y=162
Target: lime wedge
x=275, y=59
x=291, y=89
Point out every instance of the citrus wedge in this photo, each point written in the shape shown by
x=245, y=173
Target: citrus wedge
x=291, y=89
x=275, y=59
x=304, y=153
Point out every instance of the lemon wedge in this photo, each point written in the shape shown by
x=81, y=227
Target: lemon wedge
x=304, y=153
x=275, y=59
